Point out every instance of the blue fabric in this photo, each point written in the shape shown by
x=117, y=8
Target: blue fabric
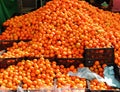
x=109, y=77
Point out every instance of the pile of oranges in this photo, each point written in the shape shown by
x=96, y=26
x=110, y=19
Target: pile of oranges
x=98, y=68
x=63, y=28
x=95, y=84
x=39, y=73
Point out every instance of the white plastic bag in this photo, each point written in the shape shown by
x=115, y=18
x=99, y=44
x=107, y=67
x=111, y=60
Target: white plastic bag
x=3, y=89
x=87, y=74
x=19, y=89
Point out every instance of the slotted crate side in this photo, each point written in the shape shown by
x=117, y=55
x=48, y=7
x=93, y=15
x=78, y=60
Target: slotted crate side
x=104, y=55
x=5, y=62
x=67, y=62
x=90, y=56
x=4, y=44
x=117, y=72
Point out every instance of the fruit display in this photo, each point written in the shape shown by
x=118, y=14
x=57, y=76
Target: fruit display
x=62, y=28
x=98, y=68
x=39, y=73
x=96, y=85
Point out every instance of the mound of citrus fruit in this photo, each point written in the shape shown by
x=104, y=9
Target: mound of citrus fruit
x=63, y=28
x=39, y=73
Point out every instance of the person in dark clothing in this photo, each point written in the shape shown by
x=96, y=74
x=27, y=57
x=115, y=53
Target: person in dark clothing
x=101, y=1
x=104, y=4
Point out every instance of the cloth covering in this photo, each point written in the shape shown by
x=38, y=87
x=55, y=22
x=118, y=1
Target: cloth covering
x=7, y=9
x=116, y=5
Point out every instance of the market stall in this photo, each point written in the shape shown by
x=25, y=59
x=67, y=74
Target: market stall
x=11, y=8
x=73, y=47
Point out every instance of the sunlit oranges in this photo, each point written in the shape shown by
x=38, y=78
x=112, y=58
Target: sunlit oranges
x=98, y=68
x=96, y=85
x=38, y=73
x=63, y=28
